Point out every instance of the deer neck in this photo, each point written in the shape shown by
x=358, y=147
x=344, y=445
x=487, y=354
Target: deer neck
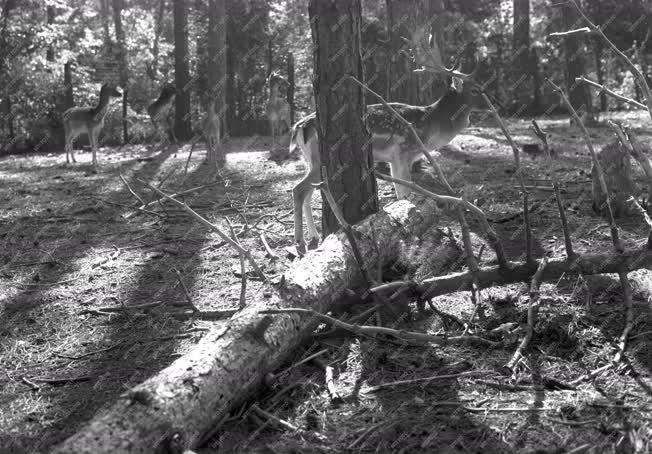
x=102, y=106
x=454, y=105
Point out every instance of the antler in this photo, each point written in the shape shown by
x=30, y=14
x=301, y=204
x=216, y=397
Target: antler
x=427, y=54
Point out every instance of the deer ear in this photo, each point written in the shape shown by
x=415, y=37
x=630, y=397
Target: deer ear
x=457, y=84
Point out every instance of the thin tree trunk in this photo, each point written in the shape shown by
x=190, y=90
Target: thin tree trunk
x=344, y=142
x=50, y=11
x=217, y=61
x=118, y=6
x=598, y=48
x=290, y=91
x=521, y=51
x=580, y=95
x=69, y=99
x=157, y=36
x=182, y=72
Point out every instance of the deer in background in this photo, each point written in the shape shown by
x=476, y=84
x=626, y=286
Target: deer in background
x=158, y=110
x=277, y=108
x=437, y=124
x=87, y=120
x=211, y=130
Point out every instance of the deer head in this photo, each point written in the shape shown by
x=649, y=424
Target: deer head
x=109, y=91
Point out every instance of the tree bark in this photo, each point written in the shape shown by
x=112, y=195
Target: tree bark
x=182, y=72
x=598, y=49
x=157, y=37
x=69, y=99
x=344, y=142
x=217, y=21
x=521, y=51
x=50, y=11
x=579, y=94
x=124, y=69
x=290, y=90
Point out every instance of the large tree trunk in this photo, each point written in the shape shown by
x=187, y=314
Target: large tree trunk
x=124, y=69
x=182, y=127
x=68, y=97
x=344, y=142
x=402, y=81
x=217, y=66
x=579, y=94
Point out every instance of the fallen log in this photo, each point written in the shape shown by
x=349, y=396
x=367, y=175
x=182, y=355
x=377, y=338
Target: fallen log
x=229, y=363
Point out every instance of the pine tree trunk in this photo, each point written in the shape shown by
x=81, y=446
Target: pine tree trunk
x=124, y=70
x=521, y=53
x=157, y=37
x=344, y=142
x=182, y=72
x=217, y=64
x=290, y=91
x=579, y=94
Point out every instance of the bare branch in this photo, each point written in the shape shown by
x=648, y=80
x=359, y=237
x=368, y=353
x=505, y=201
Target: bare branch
x=555, y=185
x=603, y=185
x=611, y=93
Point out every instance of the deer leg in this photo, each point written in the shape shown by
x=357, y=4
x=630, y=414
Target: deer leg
x=92, y=135
x=313, y=236
x=69, y=145
x=400, y=168
x=300, y=195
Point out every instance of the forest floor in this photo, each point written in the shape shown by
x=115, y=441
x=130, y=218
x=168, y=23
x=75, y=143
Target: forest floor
x=71, y=265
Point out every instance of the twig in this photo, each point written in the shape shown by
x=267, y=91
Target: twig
x=177, y=194
x=330, y=384
x=63, y=381
x=185, y=290
x=214, y=228
x=532, y=310
x=555, y=185
x=476, y=296
x=596, y=162
x=519, y=173
x=572, y=32
x=393, y=384
x=629, y=316
x=125, y=308
x=284, y=424
x=611, y=93
x=346, y=228
x=374, y=331
x=243, y=270
x=131, y=190
x=268, y=250
x=492, y=237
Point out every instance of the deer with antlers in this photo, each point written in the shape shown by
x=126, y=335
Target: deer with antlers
x=277, y=108
x=158, y=110
x=437, y=124
x=87, y=120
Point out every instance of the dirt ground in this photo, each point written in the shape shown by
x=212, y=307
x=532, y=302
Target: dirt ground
x=72, y=264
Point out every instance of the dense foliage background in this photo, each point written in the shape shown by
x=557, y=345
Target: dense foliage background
x=39, y=38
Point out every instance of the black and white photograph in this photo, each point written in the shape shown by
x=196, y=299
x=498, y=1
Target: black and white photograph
x=325, y=226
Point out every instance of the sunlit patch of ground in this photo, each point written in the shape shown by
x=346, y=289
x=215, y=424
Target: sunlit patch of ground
x=68, y=252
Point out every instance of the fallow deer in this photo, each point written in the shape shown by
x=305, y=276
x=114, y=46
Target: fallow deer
x=87, y=120
x=211, y=130
x=437, y=124
x=159, y=109
x=277, y=108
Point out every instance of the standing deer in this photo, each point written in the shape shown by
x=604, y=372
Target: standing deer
x=211, y=130
x=277, y=108
x=159, y=109
x=437, y=124
x=87, y=120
